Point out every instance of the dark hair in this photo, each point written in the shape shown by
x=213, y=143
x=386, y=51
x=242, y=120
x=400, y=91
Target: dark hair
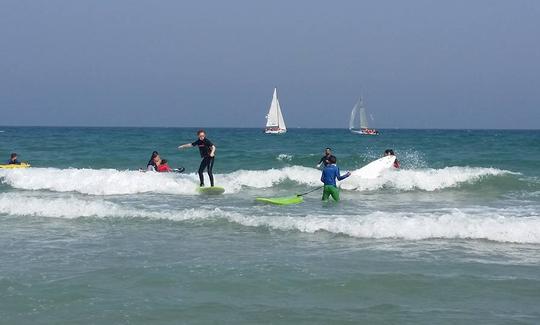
x=163, y=161
x=13, y=155
x=200, y=131
x=332, y=159
x=389, y=151
x=154, y=155
x=328, y=148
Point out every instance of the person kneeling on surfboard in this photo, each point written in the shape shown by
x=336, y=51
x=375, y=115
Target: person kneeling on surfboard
x=390, y=152
x=329, y=175
x=207, y=150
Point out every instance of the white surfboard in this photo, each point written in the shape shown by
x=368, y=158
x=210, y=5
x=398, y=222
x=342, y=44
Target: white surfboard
x=369, y=171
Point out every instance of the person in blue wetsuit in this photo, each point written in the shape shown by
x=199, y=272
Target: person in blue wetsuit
x=329, y=176
x=207, y=149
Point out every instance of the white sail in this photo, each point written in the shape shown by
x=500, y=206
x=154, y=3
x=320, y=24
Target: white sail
x=354, y=112
x=274, y=120
x=281, y=122
x=363, y=118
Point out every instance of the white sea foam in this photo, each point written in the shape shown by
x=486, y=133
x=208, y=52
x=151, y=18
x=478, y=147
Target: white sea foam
x=423, y=179
x=114, y=182
x=284, y=157
x=502, y=225
x=97, y=181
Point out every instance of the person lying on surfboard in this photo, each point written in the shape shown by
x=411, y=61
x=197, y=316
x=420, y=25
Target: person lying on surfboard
x=207, y=149
x=13, y=159
x=153, y=162
x=324, y=160
x=329, y=175
x=163, y=167
x=390, y=152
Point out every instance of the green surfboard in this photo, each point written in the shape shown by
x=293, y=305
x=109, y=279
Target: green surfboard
x=212, y=190
x=281, y=200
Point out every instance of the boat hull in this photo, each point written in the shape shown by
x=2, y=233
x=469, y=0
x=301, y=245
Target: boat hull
x=362, y=132
x=281, y=131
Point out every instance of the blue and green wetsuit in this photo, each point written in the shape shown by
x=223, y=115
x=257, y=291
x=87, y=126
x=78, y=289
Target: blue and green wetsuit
x=329, y=176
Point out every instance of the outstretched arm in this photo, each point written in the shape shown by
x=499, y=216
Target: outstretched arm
x=187, y=145
x=342, y=177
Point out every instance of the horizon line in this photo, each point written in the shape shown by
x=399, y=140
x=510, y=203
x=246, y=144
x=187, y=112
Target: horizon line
x=262, y=128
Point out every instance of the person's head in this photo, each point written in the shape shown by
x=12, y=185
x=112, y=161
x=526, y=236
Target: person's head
x=156, y=158
x=332, y=159
x=328, y=151
x=13, y=156
x=163, y=161
x=389, y=152
x=154, y=154
x=201, y=134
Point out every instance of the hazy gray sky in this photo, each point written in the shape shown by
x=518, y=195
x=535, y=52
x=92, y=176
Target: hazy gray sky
x=419, y=64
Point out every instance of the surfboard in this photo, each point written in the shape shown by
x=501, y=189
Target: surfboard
x=369, y=171
x=212, y=190
x=15, y=166
x=281, y=200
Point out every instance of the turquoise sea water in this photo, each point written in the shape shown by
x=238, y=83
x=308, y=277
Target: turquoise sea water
x=452, y=237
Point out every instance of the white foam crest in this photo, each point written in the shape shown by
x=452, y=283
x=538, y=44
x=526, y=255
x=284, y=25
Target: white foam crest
x=115, y=182
x=271, y=177
x=502, y=225
x=284, y=157
x=409, y=226
x=422, y=179
x=98, y=181
x=72, y=208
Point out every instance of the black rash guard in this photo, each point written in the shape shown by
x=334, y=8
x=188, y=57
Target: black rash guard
x=325, y=160
x=205, y=147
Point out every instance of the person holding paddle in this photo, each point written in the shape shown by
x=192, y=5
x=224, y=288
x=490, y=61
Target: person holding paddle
x=329, y=175
x=207, y=149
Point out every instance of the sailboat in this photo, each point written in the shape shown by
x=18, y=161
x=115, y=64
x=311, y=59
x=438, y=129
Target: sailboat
x=360, y=111
x=274, y=120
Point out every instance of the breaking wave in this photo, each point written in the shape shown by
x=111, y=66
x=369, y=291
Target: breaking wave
x=502, y=225
x=115, y=182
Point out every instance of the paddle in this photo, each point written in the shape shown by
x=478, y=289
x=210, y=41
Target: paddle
x=298, y=198
x=311, y=191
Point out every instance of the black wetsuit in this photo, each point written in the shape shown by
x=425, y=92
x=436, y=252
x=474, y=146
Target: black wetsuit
x=14, y=162
x=325, y=160
x=207, y=162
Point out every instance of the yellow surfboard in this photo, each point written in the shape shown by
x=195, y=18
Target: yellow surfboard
x=14, y=166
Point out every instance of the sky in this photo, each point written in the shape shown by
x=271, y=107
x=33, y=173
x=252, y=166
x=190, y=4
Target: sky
x=417, y=64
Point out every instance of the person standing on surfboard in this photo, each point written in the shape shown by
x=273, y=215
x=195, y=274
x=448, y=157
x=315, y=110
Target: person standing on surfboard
x=325, y=159
x=329, y=175
x=208, y=151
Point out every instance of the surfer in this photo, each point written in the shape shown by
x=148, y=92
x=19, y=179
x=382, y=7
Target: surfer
x=13, y=159
x=329, y=175
x=208, y=151
x=153, y=162
x=390, y=152
x=324, y=161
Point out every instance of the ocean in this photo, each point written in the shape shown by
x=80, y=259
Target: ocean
x=453, y=237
